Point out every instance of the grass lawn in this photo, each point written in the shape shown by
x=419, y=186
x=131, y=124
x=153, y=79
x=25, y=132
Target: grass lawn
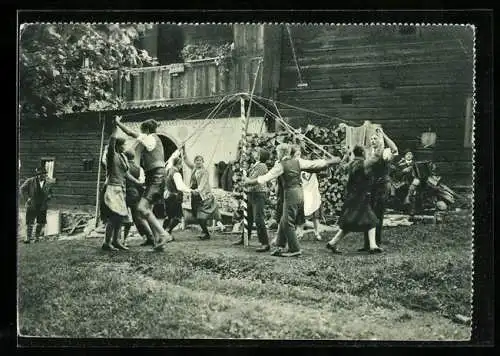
x=210, y=289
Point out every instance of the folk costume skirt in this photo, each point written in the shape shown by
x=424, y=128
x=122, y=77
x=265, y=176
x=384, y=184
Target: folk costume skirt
x=113, y=205
x=357, y=214
x=204, y=209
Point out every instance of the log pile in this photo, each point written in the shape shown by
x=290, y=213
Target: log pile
x=225, y=200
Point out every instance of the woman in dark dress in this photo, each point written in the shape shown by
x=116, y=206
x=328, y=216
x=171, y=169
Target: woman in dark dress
x=377, y=165
x=357, y=214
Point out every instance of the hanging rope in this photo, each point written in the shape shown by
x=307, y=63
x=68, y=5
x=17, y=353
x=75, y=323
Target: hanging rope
x=301, y=83
x=204, y=125
x=211, y=116
x=304, y=110
x=300, y=135
x=220, y=135
x=267, y=111
x=291, y=129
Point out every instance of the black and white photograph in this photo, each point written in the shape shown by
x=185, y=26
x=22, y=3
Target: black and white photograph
x=265, y=181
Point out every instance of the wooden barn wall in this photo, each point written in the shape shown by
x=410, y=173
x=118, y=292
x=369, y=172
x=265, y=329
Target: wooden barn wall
x=212, y=34
x=409, y=83
x=69, y=142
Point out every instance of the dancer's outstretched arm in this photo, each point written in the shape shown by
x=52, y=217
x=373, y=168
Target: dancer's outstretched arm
x=124, y=128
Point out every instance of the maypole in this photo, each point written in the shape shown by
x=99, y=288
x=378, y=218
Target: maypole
x=245, y=118
x=243, y=169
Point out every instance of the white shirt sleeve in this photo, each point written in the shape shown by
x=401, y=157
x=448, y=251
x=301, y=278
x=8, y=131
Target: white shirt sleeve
x=275, y=172
x=147, y=140
x=179, y=183
x=314, y=164
x=387, y=154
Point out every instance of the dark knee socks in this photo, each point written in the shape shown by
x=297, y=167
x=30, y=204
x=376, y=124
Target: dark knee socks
x=29, y=232
x=203, y=225
x=172, y=224
x=166, y=223
x=38, y=230
x=109, y=232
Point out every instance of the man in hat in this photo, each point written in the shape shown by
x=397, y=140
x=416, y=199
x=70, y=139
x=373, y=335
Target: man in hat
x=37, y=191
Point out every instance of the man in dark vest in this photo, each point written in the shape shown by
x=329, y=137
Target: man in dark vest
x=153, y=162
x=38, y=191
x=174, y=192
x=289, y=169
x=133, y=194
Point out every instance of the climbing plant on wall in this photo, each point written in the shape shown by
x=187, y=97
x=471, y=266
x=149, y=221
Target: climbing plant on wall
x=64, y=68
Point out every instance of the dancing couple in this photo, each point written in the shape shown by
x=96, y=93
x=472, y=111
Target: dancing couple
x=366, y=193
x=203, y=204
x=114, y=209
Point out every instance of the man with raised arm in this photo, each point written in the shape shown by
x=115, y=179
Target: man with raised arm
x=153, y=163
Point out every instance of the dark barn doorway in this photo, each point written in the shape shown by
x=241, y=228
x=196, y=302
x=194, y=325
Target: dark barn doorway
x=169, y=146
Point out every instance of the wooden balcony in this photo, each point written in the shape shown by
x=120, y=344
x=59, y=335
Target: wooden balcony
x=193, y=82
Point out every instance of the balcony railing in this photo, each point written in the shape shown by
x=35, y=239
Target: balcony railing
x=191, y=82
x=178, y=82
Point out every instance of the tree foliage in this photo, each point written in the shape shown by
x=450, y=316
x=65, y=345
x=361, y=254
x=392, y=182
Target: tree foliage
x=65, y=68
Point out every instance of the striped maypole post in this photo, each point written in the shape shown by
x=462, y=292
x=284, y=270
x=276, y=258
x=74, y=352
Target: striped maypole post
x=244, y=171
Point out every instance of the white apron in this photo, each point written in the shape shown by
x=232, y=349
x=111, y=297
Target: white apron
x=312, y=196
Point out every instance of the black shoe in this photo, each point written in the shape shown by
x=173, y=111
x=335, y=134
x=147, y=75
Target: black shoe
x=263, y=248
x=363, y=249
x=147, y=243
x=375, y=250
x=27, y=241
x=278, y=252
x=204, y=237
x=159, y=248
x=108, y=247
x=292, y=254
x=334, y=249
x=119, y=246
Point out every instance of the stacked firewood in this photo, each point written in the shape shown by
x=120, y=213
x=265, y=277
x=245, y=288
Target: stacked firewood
x=225, y=200
x=332, y=182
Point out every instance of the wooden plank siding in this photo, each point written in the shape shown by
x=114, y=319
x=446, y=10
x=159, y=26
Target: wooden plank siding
x=200, y=79
x=69, y=141
x=408, y=83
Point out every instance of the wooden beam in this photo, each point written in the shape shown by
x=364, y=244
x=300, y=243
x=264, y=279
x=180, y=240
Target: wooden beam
x=101, y=118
